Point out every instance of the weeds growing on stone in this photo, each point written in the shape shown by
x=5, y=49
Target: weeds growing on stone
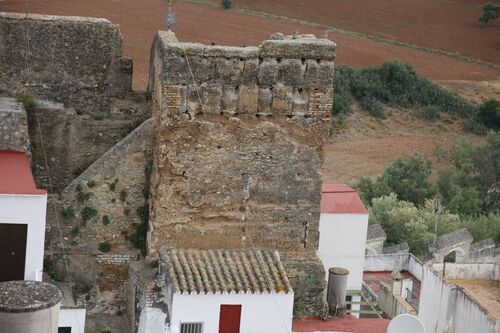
x=105, y=247
x=68, y=213
x=88, y=213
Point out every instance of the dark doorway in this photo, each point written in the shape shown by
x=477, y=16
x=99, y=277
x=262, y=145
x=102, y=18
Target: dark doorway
x=64, y=330
x=229, y=320
x=12, y=251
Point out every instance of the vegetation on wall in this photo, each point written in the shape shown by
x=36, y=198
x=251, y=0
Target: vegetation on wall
x=139, y=237
x=28, y=102
x=104, y=247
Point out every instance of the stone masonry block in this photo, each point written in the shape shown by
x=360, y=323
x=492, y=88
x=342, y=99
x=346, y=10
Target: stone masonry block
x=309, y=48
x=249, y=99
x=282, y=99
x=300, y=101
x=291, y=72
x=229, y=103
x=265, y=100
x=268, y=72
x=211, y=94
x=250, y=72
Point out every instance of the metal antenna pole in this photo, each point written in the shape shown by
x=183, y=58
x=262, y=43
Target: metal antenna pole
x=170, y=16
x=435, y=206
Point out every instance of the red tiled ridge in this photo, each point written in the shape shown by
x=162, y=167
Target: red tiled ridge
x=341, y=199
x=15, y=174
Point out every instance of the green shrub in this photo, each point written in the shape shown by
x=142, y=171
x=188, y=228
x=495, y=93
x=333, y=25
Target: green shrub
x=91, y=183
x=50, y=267
x=28, y=102
x=489, y=114
x=112, y=186
x=226, y=4
x=88, y=213
x=75, y=231
x=83, y=196
x=113, y=200
x=490, y=13
x=105, y=220
x=79, y=188
x=394, y=84
x=123, y=195
x=341, y=107
x=431, y=112
x=374, y=107
x=139, y=237
x=126, y=211
x=104, y=247
x=68, y=213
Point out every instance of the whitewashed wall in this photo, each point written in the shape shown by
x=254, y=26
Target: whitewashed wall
x=342, y=243
x=445, y=308
x=74, y=318
x=475, y=271
x=30, y=210
x=259, y=312
x=390, y=262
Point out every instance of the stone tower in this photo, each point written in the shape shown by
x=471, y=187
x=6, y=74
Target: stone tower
x=239, y=137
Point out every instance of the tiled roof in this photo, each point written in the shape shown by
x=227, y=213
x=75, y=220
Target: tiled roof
x=15, y=174
x=225, y=271
x=341, y=199
x=375, y=231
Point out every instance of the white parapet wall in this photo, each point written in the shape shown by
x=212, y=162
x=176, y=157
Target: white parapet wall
x=72, y=317
x=390, y=262
x=445, y=307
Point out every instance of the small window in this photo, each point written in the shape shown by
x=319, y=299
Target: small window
x=191, y=327
x=64, y=330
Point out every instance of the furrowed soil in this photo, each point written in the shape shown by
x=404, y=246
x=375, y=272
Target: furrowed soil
x=449, y=25
x=141, y=19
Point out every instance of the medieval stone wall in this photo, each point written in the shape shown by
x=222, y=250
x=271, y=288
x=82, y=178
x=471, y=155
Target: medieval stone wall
x=74, y=60
x=239, y=145
x=13, y=126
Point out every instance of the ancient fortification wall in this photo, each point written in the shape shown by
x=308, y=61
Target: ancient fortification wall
x=74, y=60
x=13, y=126
x=239, y=145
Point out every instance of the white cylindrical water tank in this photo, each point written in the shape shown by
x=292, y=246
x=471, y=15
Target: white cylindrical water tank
x=29, y=307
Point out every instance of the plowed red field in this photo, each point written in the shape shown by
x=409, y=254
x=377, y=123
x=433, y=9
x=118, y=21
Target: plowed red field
x=445, y=25
x=140, y=19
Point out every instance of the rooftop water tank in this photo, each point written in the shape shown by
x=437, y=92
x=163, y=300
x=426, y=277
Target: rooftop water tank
x=29, y=307
x=337, y=290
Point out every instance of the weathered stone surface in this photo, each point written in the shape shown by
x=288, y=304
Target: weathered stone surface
x=13, y=126
x=244, y=171
x=306, y=47
x=72, y=142
x=74, y=60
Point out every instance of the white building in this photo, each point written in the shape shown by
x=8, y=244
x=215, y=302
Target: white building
x=22, y=233
x=226, y=291
x=22, y=219
x=342, y=235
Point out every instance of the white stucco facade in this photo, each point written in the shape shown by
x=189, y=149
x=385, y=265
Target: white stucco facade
x=342, y=243
x=444, y=307
x=271, y=312
x=29, y=210
x=74, y=318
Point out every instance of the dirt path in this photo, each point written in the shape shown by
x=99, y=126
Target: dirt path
x=141, y=19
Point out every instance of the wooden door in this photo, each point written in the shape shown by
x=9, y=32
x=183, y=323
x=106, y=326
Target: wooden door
x=12, y=251
x=229, y=320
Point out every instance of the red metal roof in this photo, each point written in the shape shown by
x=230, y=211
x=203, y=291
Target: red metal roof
x=15, y=174
x=341, y=199
x=349, y=324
